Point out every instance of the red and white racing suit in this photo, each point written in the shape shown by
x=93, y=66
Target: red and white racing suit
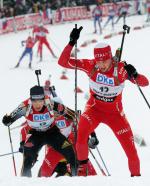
x=52, y=157
x=40, y=35
x=104, y=106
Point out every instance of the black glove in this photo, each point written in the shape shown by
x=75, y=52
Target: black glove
x=74, y=35
x=21, y=148
x=132, y=72
x=7, y=120
x=93, y=142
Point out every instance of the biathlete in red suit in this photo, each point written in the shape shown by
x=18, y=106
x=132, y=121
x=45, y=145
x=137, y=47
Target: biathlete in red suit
x=35, y=33
x=39, y=33
x=39, y=111
x=54, y=161
x=105, y=102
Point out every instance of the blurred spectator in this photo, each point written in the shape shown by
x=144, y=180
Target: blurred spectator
x=20, y=7
x=49, y=13
x=148, y=10
x=35, y=7
x=11, y=10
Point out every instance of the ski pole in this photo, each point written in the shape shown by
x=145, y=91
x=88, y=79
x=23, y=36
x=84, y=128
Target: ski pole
x=126, y=30
x=76, y=110
x=103, y=161
x=52, y=90
x=142, y=94
x=12, y=152
x=6, y=154
x=38, y=72
x=140, y=90
x=76, y=120
x=118, y=54
x=98, y=164
x=75, y=89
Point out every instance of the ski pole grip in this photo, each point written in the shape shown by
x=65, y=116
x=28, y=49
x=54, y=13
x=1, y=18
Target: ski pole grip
x=52, y=90
x=126, y=28
x=38, y=72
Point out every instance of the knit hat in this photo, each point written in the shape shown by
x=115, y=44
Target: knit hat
x=37, y=93
x=102, y=52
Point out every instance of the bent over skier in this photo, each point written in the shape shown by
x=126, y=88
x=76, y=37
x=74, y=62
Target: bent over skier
x=39, y=113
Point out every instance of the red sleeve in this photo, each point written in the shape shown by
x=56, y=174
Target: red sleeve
x=26, y=102
x=141, y=80
x=24, y=132
x=82, y=64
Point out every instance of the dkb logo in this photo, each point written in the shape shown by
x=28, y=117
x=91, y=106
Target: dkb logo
x=104, y=79
x=41, y=117
x=61, y=124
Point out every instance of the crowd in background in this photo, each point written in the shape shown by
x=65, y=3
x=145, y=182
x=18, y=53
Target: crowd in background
x=19, y=7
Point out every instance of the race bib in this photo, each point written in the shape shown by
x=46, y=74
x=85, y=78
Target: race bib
x=61, y=124
x=104, y=80
x=105, y=86
x=41, y=117
x=41, y=121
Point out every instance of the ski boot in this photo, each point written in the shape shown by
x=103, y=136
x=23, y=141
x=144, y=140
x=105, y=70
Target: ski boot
x=135, y=175
x=83, y=168
x=61, y=169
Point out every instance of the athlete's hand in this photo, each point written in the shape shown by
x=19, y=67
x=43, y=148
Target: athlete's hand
x=74, y=35
x=93, y=142
x=7, y=120
x=131, y=70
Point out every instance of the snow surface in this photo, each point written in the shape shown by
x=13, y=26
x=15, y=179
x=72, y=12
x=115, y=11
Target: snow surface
x=15, y=85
